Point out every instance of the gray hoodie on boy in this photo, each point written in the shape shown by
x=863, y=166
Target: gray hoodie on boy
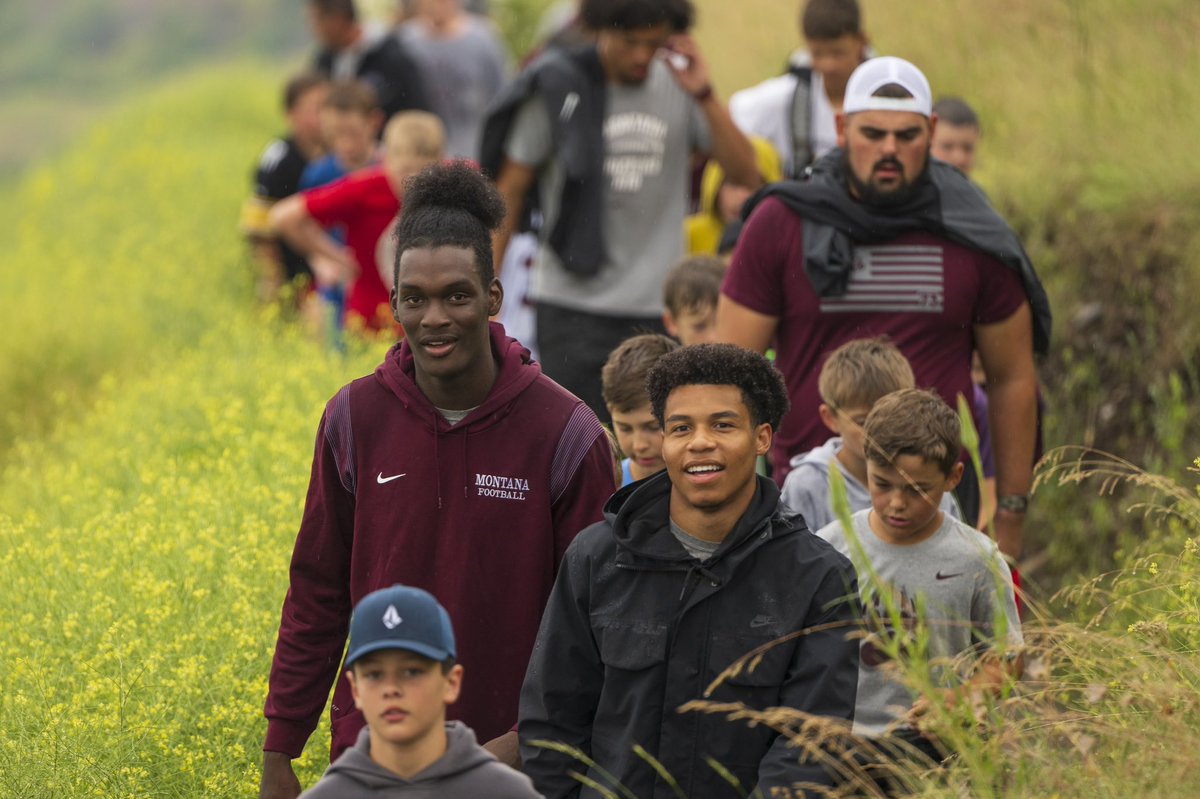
x=806, y=489
x=466, y=771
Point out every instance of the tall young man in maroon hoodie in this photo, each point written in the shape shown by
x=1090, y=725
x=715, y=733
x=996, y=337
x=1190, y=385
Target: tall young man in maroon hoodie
x=457, y=467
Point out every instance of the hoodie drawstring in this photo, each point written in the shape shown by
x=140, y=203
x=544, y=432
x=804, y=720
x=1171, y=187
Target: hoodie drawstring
x=437, y=467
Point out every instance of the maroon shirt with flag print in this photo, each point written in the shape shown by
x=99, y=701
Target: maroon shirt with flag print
x=922, y=291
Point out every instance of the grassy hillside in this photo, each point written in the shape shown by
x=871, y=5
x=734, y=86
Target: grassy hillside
x=64, y=63
x=126, y=245
x=1091, y=102
x=144, y=541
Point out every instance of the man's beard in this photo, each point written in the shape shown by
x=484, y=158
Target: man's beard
x=870, y=194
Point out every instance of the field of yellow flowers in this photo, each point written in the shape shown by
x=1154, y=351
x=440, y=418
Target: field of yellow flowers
x=144, y=536
x=154, y=446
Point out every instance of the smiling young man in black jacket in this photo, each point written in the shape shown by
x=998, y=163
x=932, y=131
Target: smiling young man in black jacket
x=690, y=570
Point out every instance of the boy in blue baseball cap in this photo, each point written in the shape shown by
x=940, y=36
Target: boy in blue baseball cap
x=402, y=672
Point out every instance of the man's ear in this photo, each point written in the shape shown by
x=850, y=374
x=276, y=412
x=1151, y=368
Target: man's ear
x=763, y=436
x=495, y=297
x=392, y=297
x=839, y=121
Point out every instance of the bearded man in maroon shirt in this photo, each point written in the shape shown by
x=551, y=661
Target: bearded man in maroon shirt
x=884, y=240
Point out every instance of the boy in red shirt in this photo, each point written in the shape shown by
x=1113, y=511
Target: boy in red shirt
x=364, y=203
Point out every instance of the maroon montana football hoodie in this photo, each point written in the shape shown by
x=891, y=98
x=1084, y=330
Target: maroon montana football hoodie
x=478, y=514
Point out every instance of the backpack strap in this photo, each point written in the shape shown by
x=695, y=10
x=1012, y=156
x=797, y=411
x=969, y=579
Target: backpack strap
x=800, y=120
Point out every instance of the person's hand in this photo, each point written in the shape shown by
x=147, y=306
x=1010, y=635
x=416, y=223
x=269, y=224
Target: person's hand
x=506, y=748
x=692, y=78
x=330, y=271
x=278, y=779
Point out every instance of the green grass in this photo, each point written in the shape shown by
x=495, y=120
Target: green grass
x=1088, y=102
x=144, y=553
x=126, y=244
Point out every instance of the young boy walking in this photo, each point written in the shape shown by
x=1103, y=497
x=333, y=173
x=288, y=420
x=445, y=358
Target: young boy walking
x=939, y=571
x=690, y=293
x=365, y=204
x=623, y=383
x=854, y=377
x=402, y=673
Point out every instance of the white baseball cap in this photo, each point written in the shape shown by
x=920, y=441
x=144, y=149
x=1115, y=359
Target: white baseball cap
x=875, y=73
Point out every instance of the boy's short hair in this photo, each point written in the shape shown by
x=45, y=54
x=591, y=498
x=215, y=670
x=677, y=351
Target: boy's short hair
x=761, y=384
x=628, y=15
x=955, y=111
x=623, y=377
x=830, y=19
x=693, y=283
x=860, y=372
x=913, y=422
x=352, y=95
x=300, y=85
x=417, y=133
x=341, y=8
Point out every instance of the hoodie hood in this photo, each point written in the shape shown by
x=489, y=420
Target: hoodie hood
x=640, y=512
x=516, y=372
x=819, y=458
x=462, y=755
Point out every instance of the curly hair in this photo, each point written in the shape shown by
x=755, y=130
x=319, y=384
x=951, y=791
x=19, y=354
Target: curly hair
x=450, y=205
x=761, y=384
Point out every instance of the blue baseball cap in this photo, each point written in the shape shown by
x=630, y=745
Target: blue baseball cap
x=400, y=617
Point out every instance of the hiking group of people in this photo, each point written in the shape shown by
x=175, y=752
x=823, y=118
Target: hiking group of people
x=646, y=338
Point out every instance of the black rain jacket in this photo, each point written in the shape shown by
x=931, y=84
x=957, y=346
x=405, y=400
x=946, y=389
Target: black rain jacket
x=636, y=627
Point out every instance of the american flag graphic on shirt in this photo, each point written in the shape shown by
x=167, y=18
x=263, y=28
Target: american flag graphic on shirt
x=904, y=278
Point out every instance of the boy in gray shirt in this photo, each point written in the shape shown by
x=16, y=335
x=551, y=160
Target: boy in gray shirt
x=853, y=378
x=934, y=566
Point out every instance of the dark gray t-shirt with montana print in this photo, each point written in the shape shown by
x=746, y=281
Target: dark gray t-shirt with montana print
x=650, y=132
